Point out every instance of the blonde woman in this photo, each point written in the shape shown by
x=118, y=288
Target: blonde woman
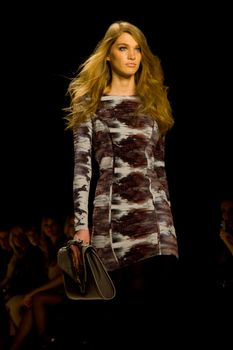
x=38, y=302
x=119, y=113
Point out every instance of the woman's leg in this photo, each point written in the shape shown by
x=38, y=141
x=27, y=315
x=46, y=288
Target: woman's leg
x=15, y=308
x=41, y=301
x=24, y=330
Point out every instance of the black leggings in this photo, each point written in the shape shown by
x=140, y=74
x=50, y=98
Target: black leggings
x=146, y=304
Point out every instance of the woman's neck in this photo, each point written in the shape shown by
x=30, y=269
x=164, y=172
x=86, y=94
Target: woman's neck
x=121, y=87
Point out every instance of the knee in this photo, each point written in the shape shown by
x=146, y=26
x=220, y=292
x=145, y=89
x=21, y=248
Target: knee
x=37, y=300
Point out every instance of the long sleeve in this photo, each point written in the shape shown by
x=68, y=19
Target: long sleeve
x=159, y=154
x=82, y=173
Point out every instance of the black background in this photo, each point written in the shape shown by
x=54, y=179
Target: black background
x=41, y=48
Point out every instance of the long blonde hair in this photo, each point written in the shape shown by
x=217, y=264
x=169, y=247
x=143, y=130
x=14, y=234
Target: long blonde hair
x=94, y=76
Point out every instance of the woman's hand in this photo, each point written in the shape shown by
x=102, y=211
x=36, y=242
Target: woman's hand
x=27, y=300
x=83, y=234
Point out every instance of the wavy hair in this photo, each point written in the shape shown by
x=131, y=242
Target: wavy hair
x=94, y=77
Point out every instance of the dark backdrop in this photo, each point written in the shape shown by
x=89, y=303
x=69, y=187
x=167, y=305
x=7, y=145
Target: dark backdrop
x=41, y=48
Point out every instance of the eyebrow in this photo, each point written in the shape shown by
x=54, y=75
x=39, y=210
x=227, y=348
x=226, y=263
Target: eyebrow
x=137, y=45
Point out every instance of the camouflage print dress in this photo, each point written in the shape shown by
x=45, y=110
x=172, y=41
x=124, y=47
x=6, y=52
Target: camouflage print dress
x=131, y=217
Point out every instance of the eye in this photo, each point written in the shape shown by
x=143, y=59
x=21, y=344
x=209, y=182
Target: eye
x=122, y=48
x=138, y=49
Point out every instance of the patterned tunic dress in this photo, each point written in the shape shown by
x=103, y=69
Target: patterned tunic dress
x=131, y=216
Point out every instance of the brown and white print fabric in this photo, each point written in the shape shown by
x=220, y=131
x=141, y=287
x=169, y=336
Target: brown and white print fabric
x=131, y=217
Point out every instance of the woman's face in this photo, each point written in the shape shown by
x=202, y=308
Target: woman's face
x=50, y=227
x=125, y=56
x=33, y=236
x=18, y=236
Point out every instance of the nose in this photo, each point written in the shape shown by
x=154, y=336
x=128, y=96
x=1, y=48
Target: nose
x=131, y=54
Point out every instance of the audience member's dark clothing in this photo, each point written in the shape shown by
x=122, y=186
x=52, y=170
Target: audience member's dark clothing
x=5, y=257
x=30, y=272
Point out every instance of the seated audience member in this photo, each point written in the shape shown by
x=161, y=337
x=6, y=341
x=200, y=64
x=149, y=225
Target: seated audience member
x=26, y=270
x=38, y=301
x=33, y=235
x=6, y=253
x=225, y=256
x=69, y=226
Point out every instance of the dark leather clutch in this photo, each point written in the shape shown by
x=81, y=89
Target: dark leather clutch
x=85, y=276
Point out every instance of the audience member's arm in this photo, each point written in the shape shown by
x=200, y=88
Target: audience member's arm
x=227, y=239
x=57, y=281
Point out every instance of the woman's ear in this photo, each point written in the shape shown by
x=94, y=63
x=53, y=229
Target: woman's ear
x=107, y=58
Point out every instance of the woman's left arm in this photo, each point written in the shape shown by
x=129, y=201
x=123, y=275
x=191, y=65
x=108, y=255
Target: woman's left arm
x=159, y=165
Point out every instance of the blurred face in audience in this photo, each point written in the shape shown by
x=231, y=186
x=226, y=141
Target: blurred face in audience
x=4, y=240
x=50, y=227
x=227, y=213
x=33, y=236
x=18, y=237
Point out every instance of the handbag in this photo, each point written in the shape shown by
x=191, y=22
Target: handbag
x=84, y=274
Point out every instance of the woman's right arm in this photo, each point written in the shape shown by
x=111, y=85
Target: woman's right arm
x=82, y=137
x=55, y=282
x=83, y=234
